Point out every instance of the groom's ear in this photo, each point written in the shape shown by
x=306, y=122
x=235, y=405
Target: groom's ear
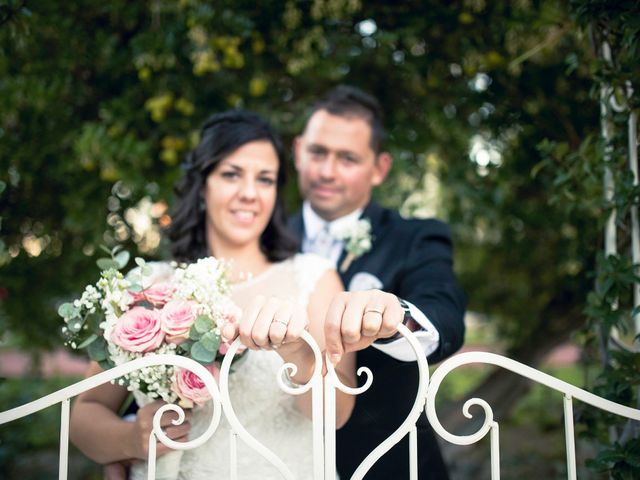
x=383, y=164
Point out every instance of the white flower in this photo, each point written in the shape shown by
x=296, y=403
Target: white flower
x=357, y=238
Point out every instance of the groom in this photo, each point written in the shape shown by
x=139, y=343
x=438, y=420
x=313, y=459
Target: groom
x=395, y=269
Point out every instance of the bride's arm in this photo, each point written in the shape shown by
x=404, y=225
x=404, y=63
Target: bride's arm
x=327, y=287
x=103, y=436
x=272, y=323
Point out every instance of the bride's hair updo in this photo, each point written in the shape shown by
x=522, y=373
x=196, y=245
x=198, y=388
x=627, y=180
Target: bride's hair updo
x=221, y=135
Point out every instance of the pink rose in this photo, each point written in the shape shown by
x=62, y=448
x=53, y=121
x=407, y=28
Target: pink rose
x=190, y=388
x=177, y=317
x=138, y=330
x=157, y=294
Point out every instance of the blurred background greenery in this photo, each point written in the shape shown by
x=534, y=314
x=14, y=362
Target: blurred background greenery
x=494, y=119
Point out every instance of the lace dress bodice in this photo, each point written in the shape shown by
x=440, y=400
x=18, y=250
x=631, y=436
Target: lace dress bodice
x=266, y=412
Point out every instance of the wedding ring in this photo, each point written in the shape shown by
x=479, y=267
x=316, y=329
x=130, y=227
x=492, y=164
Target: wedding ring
x=373, y=310
x=286, y=324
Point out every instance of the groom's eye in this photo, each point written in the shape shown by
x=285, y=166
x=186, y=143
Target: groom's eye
x=316, y=151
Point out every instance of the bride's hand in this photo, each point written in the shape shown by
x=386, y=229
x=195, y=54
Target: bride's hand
x=270, y=323
x=143, y=424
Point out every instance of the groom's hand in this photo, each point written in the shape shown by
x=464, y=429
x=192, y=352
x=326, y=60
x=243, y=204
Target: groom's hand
x=356, y=319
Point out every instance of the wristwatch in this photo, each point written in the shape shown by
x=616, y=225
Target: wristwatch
x=405, y=319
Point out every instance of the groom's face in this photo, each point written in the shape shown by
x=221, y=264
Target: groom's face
x=337, y=168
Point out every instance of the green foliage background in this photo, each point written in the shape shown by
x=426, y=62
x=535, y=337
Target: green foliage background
x=99, y=102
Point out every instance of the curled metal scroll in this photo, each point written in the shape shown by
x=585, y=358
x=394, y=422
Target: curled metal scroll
x=210, y=385
x=289, y=369
x=412, y=417
x=570, y=391
x=237, y=427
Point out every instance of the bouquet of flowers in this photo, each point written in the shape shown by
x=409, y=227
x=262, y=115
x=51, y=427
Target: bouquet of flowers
x=156, y=308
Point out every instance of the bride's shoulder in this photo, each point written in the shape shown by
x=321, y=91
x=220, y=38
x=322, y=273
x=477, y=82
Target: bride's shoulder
x=311, y=261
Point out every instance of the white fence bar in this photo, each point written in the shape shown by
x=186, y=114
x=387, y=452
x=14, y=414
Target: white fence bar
x=495, y=451
x=414, y=414
x=324, y=416
x=570, y=440
x=569, y=391
x=64, y=439
x=413, y=453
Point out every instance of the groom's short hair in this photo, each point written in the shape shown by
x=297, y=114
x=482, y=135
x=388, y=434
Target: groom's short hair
x=348, y=101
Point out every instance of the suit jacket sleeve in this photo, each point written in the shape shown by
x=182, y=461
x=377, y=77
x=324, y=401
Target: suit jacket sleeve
x=428, y=281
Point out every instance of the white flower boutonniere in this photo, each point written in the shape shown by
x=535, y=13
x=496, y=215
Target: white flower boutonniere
x=357, y=238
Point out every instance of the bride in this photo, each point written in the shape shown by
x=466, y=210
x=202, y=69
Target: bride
x=229, y=206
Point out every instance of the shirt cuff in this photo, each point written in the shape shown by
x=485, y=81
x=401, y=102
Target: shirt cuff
x=428, y=338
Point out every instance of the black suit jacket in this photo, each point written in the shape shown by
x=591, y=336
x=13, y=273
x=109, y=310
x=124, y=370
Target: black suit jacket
x=413, y=259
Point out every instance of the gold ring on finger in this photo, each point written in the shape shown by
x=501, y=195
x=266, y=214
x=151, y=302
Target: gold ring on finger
x=286, y=324
x=373, y=310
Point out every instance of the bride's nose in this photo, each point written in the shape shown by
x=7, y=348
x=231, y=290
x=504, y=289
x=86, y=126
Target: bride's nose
x=248, y=189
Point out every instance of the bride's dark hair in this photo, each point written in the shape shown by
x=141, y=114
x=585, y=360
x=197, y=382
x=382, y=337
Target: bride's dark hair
x=221, y=135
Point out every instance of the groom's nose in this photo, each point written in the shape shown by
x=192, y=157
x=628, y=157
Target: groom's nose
x=328, y=167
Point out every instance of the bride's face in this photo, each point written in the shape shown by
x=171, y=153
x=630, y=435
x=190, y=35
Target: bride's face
x=240, y=194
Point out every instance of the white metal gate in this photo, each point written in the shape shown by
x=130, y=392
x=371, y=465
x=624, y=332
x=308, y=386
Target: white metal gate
x=323, y=398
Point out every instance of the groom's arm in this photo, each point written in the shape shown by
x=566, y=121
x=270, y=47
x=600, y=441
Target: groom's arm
x=427, y=283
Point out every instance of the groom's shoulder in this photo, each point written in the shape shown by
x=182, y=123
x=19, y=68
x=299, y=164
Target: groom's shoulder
x=413, y=226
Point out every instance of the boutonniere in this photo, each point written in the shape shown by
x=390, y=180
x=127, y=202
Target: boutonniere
x=357, y=238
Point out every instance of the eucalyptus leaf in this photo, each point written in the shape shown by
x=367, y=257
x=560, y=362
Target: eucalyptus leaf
x=194, y=334
x=122, y=258
x=68, y=310
x=93, y=320
x=200, y=354
x=203, y=324
x=135, y=288
x=106, y=263
x=97, y=350
x=105, y=364
x=105, y=250
x=75, y=324
x=140, y=261
x=210, y=341
x=115, y=250
x=146, y=270
x=88, y=341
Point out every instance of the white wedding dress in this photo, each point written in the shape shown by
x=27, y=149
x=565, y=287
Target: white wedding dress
x=266, y=412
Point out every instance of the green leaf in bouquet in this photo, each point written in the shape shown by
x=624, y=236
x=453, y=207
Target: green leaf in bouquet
x=106, y=364
x=146, y=270
x=106, y=250
x=200, y=354
x=106, y=263
x=184, y=347
x=88, y=341
x=122, y=258
x=115, y=250
x=140, y=261
x=135, y=288
x=68, y=310
x=210, y=341
x=93, y=320
x=194, y=334
x=203, y=324
x=98, y=350
x=75, y=324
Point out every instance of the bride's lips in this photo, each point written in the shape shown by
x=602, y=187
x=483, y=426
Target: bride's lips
x=244, y=217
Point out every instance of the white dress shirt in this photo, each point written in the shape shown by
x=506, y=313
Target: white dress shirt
x=318, y=239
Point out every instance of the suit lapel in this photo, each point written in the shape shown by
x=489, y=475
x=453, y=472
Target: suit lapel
x=373, y=212
x=296, y=226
